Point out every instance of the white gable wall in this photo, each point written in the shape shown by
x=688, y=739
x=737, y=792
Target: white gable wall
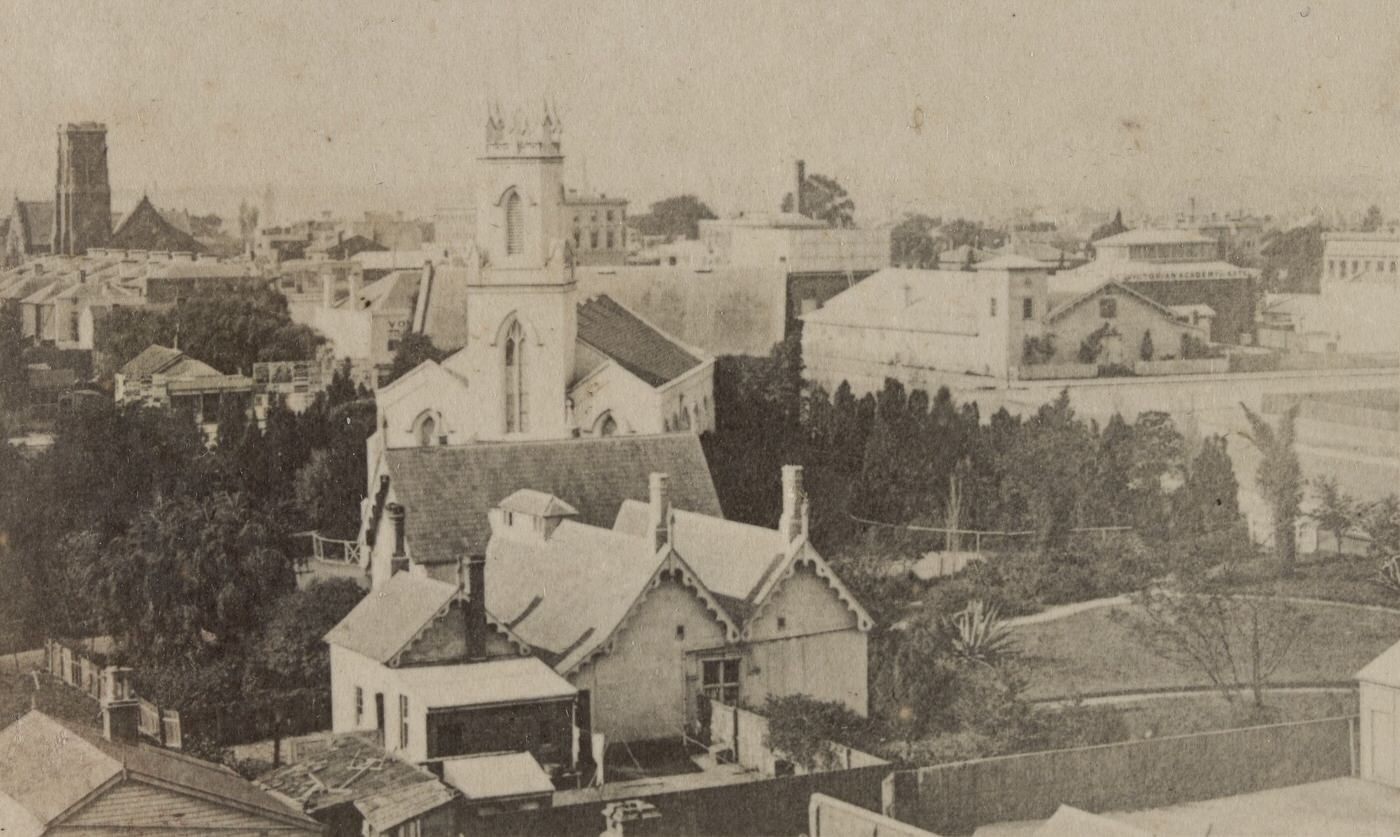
x=818, y=651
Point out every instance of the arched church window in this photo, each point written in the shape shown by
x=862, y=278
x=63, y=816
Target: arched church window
x=516, y=397
x=426, y=428
x=608, y=427
x=515, y=233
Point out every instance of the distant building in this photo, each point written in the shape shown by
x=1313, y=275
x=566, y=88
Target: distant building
x=1355, y=311
x=1147, y=245
x=365, y=324
x=168, y=378
x=29, y=232
x=454, y=226
x=599, y=228
x=145, y=228
x=64, y=778
x=392, y=231
x=82, y=195
x=918, y=326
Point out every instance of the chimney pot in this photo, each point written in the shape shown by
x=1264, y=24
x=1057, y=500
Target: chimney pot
x=659, y=510
x=397, y=518
x=793, y=522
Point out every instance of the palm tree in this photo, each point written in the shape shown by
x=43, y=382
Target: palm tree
x=1280, y=479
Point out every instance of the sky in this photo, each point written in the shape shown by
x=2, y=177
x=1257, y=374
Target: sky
x=948, y=107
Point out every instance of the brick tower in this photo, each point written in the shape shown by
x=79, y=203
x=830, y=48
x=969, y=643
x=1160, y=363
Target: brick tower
x=82, y=215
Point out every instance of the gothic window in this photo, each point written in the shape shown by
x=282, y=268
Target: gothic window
x=516, y=397
x=608, y=427
x=426, y=428
x=515, y=234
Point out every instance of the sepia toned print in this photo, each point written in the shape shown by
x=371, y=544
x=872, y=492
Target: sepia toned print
x=453, y=419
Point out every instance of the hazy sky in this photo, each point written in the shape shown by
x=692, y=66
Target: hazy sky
x=952, y=106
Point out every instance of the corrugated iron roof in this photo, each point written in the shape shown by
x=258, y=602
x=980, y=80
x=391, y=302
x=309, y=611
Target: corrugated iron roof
x=497, y=776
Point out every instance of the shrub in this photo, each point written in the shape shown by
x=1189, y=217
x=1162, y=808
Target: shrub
x=803, y=729
x=977, y=633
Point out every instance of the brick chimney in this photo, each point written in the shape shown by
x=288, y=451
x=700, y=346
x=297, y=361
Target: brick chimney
x=475, y=590
x=793, y=522
x=659, y=511
x=398, y=519
x=121, y=711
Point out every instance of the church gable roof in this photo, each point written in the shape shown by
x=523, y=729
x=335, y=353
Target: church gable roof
x=447, y=491
x=36, y=224
x=631, y=342
x=144, y=228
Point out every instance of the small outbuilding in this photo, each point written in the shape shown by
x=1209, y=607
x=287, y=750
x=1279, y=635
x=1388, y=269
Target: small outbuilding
x=1380, y=700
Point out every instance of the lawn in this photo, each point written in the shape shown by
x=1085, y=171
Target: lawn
x=1094, y=653
x=1345, y=578
x=17, y=693
x=1158, y=717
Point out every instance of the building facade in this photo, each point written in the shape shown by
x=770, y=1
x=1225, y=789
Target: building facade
x=599, y=228
x=83, y=194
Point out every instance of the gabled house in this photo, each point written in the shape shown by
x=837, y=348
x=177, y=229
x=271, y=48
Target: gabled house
x=661, y=608
x=61, y=778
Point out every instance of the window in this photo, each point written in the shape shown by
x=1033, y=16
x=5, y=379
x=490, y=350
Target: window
x=359, y=705
x=1331, y=267
x=403, y=721
x=412, y=828
x=1392, y=265
x=516, y=397
x=515, y=235
x=1108, y=307
x=609, y=427
x=610, y=215
x=719, y=680
x=593, y=240
x=1027, y=308
x=610, y=240
x=426, y=429
x=680, y=632
x=994, y=306
x=782, y=622
x=578, y=239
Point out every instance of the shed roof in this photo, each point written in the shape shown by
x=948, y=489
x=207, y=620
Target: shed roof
x=497, y=776
x=350, y=768
x=50, y=766
x=503, y=680
x=396, y=806
x=448, y=490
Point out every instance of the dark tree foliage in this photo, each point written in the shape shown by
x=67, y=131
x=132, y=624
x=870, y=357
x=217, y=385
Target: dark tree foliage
x=227, y=330
x=414, y=349
x=825, y=200
x=961, y=231
x=13, y=381
x=911, y=241
x=1293, y=260
x=1112, y=228
x=1280, y=479
x=677, y=217
x=292, y=653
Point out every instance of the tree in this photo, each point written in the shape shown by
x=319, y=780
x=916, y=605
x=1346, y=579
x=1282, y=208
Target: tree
x=825, y=200
x=1337, y=512
x=1373, y=220
x=1280, y=479
x=14, y=382
x=1236, y=642
x=247, y=221
x=329, y=485
x=677, y=217
x=961, y=231
x=1382, y=522
x=1110, y=229
x=1145, y=351
x=1092, y=346
x=192, y=574
x=414, y=349
x=1209, y=498
x=292, y=650
x=911, y=241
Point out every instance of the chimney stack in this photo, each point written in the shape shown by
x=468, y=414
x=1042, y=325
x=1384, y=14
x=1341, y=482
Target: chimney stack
x=659, y=510
x=794, y=520
x=121, y=711
x=397, y=518
x=800, y=172
x=476, y=607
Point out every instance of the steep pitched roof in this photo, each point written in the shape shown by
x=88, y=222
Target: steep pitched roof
x=152, y=360
x=144, y=228
x=332, y=773
x=631, y=342
x=387, y=620
x=1061, y=310
x=49, y=766
x=733, y=558
x=448, y=490
x=36, y=222
x=537, y=503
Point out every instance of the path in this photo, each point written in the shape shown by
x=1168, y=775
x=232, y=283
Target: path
x=1193, y=691
x=1065, y=611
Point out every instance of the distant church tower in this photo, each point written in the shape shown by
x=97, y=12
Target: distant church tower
x=522, y=315
x=83, y=197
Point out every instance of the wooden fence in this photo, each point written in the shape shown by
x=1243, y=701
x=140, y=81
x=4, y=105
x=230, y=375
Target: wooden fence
x=958, y=798
x=78, y=669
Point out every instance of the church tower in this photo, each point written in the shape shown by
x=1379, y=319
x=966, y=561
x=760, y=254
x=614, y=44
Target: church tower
x=521, y=297
x=82, y=197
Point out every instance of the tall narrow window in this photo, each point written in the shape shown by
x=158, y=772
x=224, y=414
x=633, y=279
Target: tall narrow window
x=403, y=721
x=514, y=234
x=516, y=397
x=426, y=428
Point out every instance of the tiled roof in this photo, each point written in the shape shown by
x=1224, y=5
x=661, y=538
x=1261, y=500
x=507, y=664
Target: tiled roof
x=47, y=766
x=447, y=491
x=152, y=360
x=631, y=342
x=387, y=619
x=335, y=774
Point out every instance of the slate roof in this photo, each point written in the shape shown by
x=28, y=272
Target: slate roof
x=387, y=619
x=144, y=228
x=447, y=491
x=631, y=342
x=47, y=766
x=36, y=221
x=335, y=775
x=152, y=360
